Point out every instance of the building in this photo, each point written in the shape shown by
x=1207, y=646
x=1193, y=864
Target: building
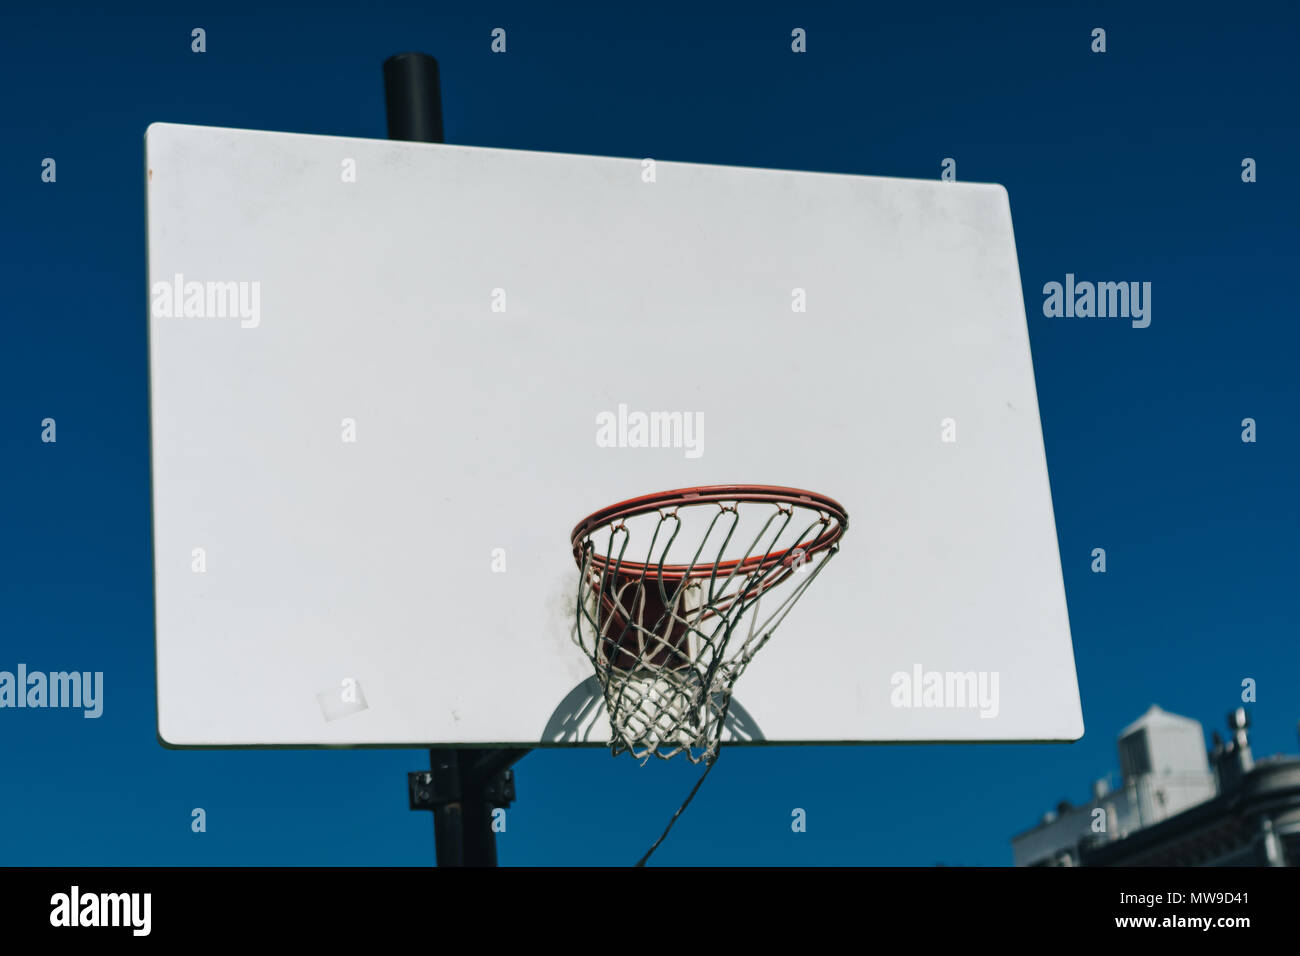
x=1177, y=805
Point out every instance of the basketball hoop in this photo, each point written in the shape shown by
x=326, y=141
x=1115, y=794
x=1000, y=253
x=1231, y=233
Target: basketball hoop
x=665, y=588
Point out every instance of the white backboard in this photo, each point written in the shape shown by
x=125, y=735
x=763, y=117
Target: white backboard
x=365, y=477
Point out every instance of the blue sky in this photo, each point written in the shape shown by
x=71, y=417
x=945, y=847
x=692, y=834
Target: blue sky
x=1124, y=165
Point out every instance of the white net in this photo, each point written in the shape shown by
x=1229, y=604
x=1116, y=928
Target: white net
x=674, y=603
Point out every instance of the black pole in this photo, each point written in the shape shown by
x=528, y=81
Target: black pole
x=448, y=820
x=463, y=786
x=413, y=95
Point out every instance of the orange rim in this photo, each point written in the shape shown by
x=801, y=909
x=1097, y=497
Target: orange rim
x=614, y=515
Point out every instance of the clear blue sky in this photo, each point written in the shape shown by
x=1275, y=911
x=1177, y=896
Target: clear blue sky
x=1122, y=166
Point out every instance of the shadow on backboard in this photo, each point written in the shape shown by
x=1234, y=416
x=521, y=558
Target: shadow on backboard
x=580, y=713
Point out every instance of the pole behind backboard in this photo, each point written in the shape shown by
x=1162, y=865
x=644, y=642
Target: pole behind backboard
x=463, y=786
x=413, y=94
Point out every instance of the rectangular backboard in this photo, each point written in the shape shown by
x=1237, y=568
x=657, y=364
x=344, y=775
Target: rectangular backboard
x=388, y=378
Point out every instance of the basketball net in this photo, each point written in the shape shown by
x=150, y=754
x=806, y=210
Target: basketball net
x=669, y=641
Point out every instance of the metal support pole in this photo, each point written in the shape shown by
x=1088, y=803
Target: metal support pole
x=448, y=820
x=462, y=787
x=413, y=96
